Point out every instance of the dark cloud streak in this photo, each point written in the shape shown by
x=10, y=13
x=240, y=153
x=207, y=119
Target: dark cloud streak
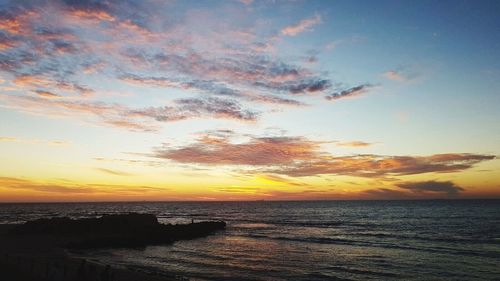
x=350, y=92
x=446, y=187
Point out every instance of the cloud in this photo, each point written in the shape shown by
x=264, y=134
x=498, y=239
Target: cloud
x=299, y=86
x=303, y=25
x=8, y=139
x=113, y=172
x=238, y=189
x=394, y=75
x=51, y=48
x=86, y=9
x=46, y=94
x=150, y=81
x=70, y=188
x=219, y=89
x=377, y=165
x=133, y=119
x=17, y=183
x=401, y=74
x=439, y=187
x=39, y=81
x=31, y=80
x=218, y=150
x=33, y=141
x=276, y=100
x=387, y=193
x=7, y=42
x=354, y=144
x=279, y=180
x=198, y=107
x=351, y=92
x=11, y=23
x=300, y=157
x=226, y=76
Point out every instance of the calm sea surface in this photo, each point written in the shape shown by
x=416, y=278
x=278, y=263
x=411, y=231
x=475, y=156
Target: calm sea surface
x=330, y=240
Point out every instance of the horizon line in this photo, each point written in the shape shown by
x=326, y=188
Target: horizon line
x=246, y=201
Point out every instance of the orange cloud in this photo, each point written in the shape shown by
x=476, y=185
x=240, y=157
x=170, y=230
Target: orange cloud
x=375, y=165
x=10, y=24
x=70, y=188
x=258, y=151
x=27, y=80
x=46, y=94
x=299, y=157
x=89, y=14
x=86, y=10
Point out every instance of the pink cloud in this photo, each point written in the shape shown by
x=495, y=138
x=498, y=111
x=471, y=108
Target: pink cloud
x=302, y=26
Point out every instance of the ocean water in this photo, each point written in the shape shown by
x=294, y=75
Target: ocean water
x=321, y=240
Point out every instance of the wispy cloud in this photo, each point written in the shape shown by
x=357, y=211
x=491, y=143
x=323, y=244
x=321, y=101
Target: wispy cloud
x=302, y=26
x=46, y=94
x=8, y=139
x=354, y=144
x=350, y=92
x=113, y=172
x=70, y=188
x=33, y=141
x=394, y=75
x=133, y=119
x=387, y=193
x=401, y=74
x=90, y=10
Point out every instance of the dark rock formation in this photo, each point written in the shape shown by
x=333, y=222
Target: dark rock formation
x=127, y=230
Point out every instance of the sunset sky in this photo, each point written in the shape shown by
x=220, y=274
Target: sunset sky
x=249, y=100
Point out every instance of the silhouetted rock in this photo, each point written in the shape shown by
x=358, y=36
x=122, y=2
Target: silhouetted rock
x=127, y=230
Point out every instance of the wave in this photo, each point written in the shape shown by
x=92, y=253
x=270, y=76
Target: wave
x=349, y=242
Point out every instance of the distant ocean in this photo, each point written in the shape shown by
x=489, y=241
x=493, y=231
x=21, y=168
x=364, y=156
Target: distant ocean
x=320, y=240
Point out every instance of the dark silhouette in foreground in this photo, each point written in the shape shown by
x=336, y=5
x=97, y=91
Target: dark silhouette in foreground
x=128, y=230
x=37, y=250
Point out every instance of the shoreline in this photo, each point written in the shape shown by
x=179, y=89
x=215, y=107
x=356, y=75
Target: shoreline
x=68, y=268
x=45, y=257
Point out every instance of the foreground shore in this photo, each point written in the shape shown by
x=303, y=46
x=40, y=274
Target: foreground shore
x=35, y=252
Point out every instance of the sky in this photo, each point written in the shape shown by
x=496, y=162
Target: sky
x=249, y=100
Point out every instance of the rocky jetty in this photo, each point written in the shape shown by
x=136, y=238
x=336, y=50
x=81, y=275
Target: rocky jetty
x=38, y=250
x=124, y=230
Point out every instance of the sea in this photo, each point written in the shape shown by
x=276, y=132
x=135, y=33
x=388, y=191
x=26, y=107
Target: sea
x=308, y=240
